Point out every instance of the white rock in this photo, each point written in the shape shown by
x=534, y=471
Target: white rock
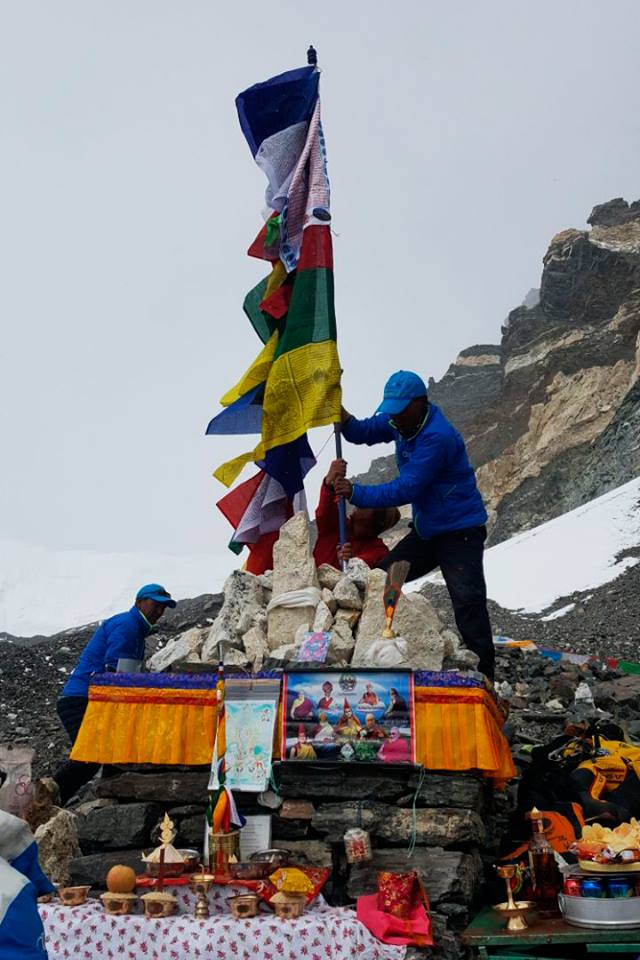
x=293, y=569
x=451, y=643
x=345, y=593
x=185, y=647
x=255, y=644
x=327, y=597
x=266, y=580
x=283, y=624
x=58, y=845
x=236, y=658
x=270, y=799
x=556, y=705
x=583, y=694
x=349, y=616
x=357, y=571
x=341, y=644
x=457, y=656
x=328, y=575
x=251, y=615
x=415, y=621
x=323, y=618
x=241, y=590
x=293, y=565
x=301, y=633
x=84, y=809
x=287, y=652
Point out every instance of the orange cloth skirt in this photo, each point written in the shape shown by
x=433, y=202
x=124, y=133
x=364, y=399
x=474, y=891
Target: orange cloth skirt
x=456, y=729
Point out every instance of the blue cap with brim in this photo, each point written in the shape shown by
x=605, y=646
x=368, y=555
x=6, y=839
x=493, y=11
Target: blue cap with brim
x=154, y=591
x=400, y=389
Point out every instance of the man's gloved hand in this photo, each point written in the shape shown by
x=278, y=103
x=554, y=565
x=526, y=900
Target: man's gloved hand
x=343, y=488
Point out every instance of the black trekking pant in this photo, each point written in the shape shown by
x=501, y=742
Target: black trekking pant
x=459, y=556
x=72, y=774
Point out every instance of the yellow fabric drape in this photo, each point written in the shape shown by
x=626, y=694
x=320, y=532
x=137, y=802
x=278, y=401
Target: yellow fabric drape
x=456, y=729
x=138, y=725
x=459, y=728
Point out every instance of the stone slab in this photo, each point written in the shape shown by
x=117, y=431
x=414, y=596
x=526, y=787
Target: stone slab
x=448, y=875
x=127, y=825
x=440, y=790
x=191, y=831
x=171, y=786
x=433, y=826
x=297, y=810
x=286, y=830
x=348, y=783
x=317, y=852
x=93, y=869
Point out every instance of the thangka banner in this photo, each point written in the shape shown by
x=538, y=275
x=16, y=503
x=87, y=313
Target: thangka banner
x=348, y=716
x=251, y=709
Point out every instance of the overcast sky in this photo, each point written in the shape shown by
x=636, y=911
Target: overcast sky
x=461, y=136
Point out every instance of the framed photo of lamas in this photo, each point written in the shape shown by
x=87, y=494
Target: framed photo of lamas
x=350, y=716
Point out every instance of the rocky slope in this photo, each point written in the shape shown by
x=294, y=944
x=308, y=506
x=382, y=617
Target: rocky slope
x=551, y=415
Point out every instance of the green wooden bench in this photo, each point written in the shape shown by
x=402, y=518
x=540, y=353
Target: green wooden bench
x=547, y=938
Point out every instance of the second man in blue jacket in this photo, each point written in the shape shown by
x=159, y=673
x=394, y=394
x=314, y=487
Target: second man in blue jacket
x=120, y=638
x=435, y=477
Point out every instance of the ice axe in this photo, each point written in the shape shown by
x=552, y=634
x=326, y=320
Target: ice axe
x=396, y=576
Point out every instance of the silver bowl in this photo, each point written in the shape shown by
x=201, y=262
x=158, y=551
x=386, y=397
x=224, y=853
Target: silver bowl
x=608, y=913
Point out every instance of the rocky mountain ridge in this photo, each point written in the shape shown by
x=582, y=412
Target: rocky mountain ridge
x=551, y=414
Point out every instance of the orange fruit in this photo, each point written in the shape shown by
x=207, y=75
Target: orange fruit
x=121, y=879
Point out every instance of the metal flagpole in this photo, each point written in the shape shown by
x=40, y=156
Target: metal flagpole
x=342, y=506
x=312, y=61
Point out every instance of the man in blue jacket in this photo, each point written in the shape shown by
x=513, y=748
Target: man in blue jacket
x=119, y=638
x=436, y=478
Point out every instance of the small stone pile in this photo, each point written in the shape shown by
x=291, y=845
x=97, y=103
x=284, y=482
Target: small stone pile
x=263, y=618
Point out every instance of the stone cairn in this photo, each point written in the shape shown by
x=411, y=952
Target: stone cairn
x=256, y=634
x=440, y=824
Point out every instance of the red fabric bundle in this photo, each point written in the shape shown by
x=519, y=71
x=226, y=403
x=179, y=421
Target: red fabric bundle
x=414, y=930
x=397, y=913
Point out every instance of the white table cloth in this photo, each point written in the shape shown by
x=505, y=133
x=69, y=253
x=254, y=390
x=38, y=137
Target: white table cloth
x=322, y=933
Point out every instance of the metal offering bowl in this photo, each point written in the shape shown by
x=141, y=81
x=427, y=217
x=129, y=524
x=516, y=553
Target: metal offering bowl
x=291, y=907
x=276, y=857
x=170, y=869
x=158, y=904
x=118, y=904
x=244, y=905
x=192, y=860
x=201, y=882
x=73, y=896
x=516, y=913
x=251, y=869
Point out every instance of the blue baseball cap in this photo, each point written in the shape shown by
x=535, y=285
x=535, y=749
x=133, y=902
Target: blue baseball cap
x=154, y=591
x=400, y=389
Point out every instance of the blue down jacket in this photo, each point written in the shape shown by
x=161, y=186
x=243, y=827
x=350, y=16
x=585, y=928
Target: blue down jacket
x=435, y=477
x=119, y=637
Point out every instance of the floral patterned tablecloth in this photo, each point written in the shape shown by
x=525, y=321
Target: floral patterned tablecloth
x=322, y=933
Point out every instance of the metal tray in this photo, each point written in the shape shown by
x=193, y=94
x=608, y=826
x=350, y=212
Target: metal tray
x=606, y=913
x=590, y=866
